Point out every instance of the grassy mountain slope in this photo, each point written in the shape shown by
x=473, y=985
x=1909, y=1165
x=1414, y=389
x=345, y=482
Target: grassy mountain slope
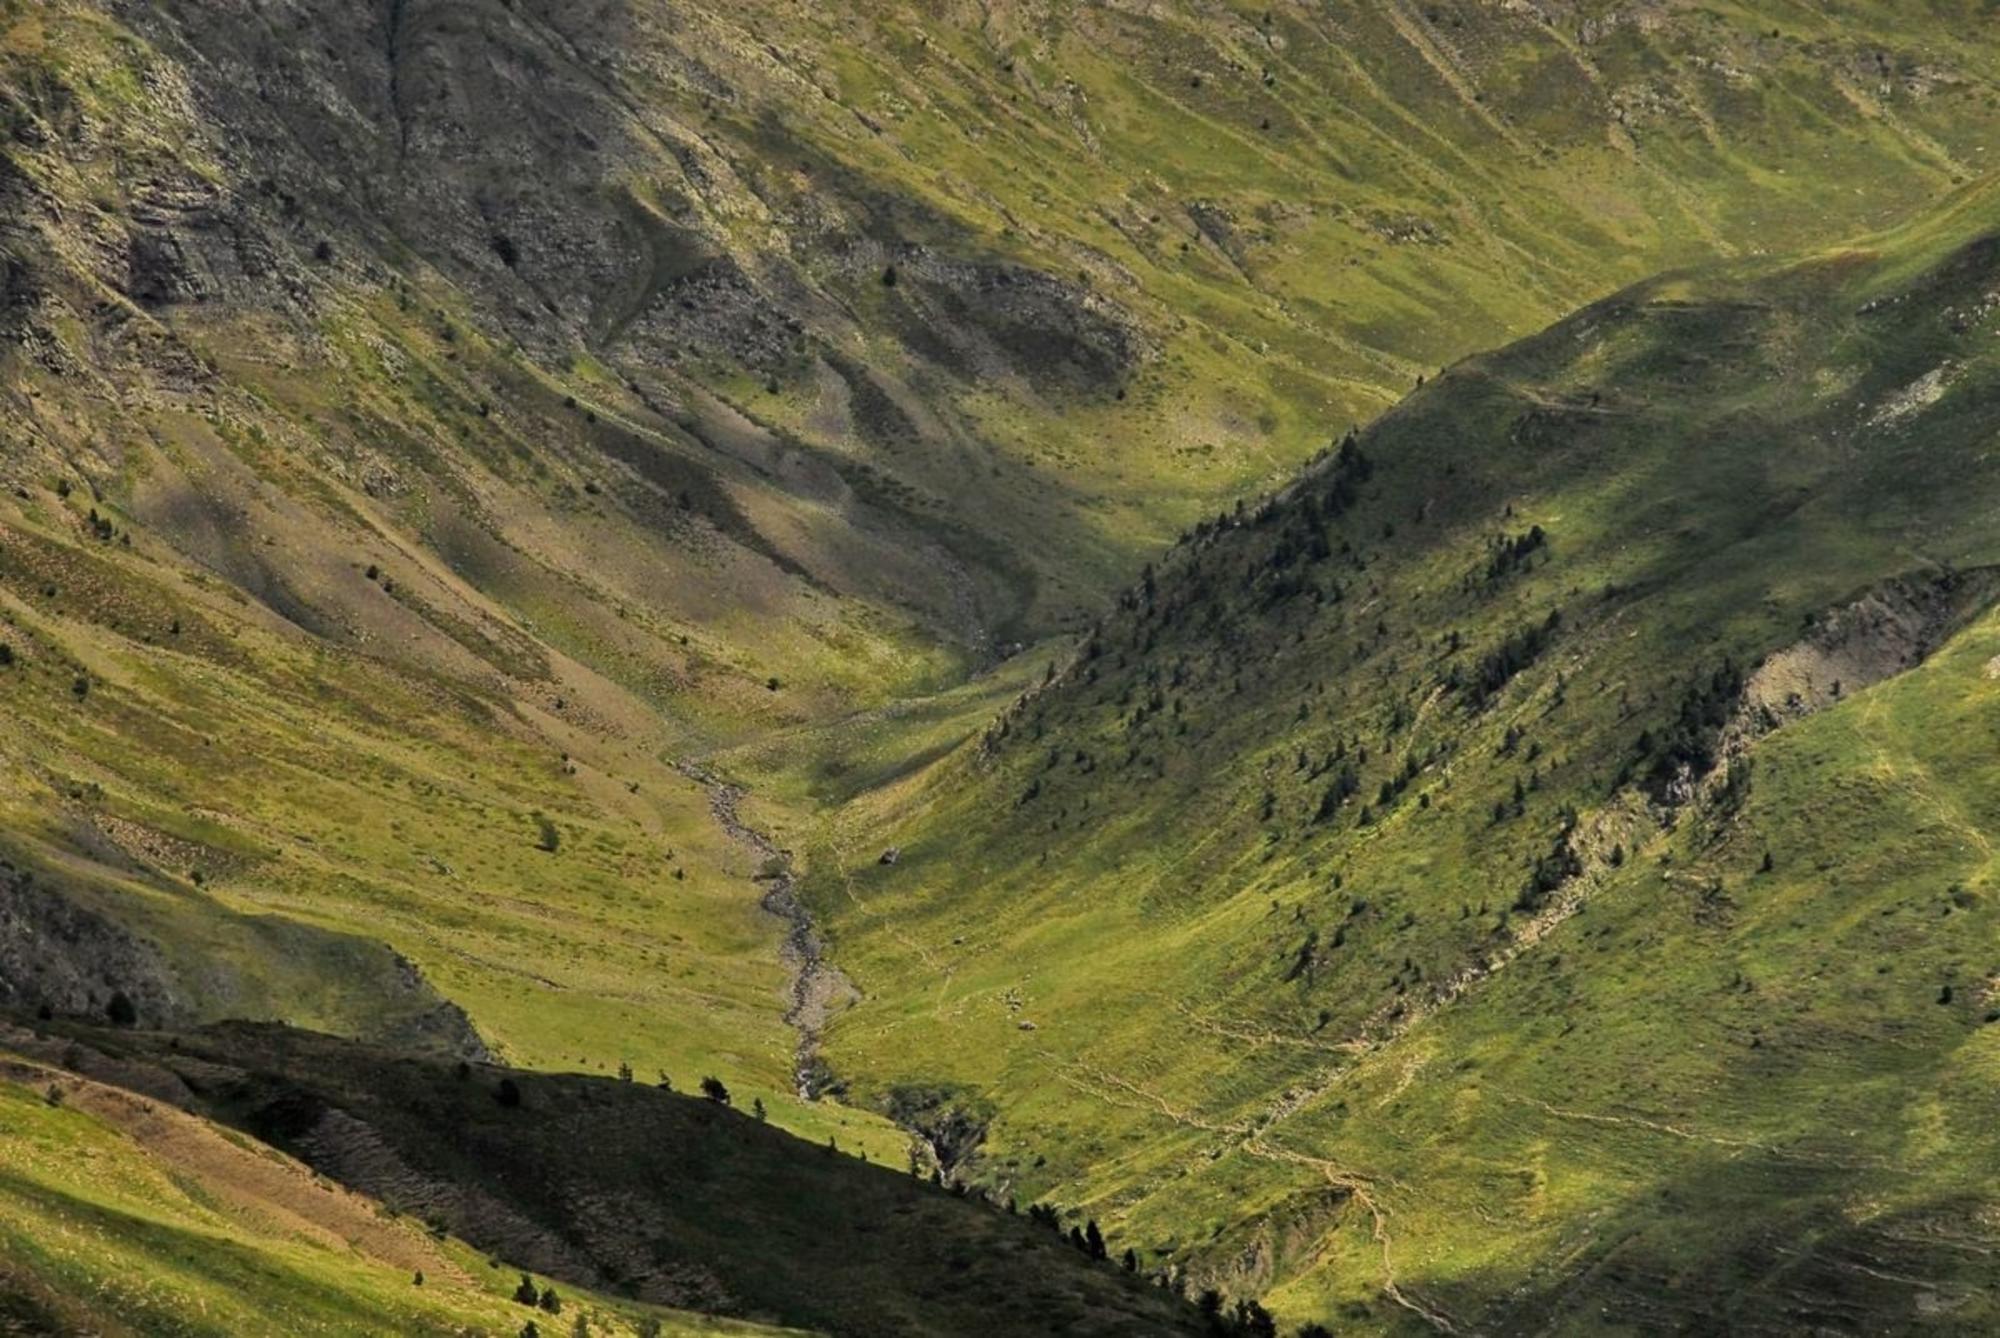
x=1534, y=871
x=122, y=1215
x=430, y=424
x=395, y=456
x=659, y=1196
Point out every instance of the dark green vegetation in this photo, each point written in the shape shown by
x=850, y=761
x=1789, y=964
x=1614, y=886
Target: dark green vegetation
x=1534, y=871
x=446, y=438
x=660, y=1196
x=120, y=1214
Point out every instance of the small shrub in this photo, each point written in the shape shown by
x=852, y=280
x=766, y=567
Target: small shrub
x=712, y=1088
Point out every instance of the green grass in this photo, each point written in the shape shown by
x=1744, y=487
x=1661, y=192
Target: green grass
x=379, y=774
x=598, y=536
x=1358, y=1064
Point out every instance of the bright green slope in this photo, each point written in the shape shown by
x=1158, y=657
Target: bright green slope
x=567, y=596
x=1304, y=208
x=1522, y=1031
x=407, y=568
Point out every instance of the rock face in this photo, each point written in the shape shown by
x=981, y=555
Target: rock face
x=1884, y=632
x=80, y=956
x=58, y=955
x=311, y=183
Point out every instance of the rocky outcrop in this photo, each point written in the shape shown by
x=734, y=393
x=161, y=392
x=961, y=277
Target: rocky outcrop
x=66, y=958
x=1885, y=631
x=74, y=956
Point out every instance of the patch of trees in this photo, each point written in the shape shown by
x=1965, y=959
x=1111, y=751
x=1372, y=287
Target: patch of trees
x=1247, y=1316
x=542, y=1298
x=1687, y=747
x=1351, y=468
x=1510, y=554
x=1552, y=870
x=1392, y=788
x=1498, y=666
x=1344, y=787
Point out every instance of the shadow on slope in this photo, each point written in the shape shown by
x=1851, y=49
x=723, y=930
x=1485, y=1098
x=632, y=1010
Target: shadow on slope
x=624, y=1187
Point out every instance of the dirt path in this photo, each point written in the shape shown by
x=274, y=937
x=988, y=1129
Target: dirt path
x=817, y=987
x=1362, y=1189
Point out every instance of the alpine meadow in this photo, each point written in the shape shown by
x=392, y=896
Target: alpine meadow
x=999, y=667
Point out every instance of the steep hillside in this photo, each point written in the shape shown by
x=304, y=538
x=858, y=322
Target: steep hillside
x=120, y=1214
x=1534, y=872
x=430, y=423
x=631, y=1190
x=446, y=440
